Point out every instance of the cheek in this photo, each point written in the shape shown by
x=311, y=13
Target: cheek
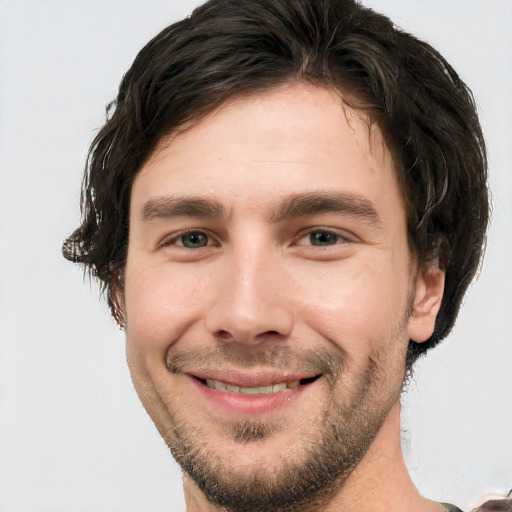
x=161, y=303
x=357, y=305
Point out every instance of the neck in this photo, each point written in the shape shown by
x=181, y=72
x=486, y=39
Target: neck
x=380, y=483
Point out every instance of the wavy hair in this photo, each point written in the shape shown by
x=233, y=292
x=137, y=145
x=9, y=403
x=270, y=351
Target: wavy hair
x=233, y=48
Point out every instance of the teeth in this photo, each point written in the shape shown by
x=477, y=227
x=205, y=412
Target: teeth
x=262, y=390
x=255, y=391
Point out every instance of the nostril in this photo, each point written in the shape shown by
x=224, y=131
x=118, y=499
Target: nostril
x=248, y=322
x=226, y=336
x=223, y=336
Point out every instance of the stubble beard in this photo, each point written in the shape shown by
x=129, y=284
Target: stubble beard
x=305, y=478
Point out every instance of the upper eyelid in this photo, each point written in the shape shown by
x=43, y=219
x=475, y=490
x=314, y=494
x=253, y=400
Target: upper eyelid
x=171, y=238
x=342, y=233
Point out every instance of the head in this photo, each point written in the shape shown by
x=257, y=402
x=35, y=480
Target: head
x=232, y=62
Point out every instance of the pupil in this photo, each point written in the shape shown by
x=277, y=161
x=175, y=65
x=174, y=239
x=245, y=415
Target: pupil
x=323, y=238
x=194, y=240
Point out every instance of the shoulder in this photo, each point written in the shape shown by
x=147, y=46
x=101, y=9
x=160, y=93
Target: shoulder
x=489, y=506
x=496, y=506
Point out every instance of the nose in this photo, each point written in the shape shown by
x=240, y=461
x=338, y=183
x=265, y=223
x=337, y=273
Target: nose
x=250, y=305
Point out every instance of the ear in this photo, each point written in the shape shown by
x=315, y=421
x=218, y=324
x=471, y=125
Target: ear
x=116, y=302
x=429, y=289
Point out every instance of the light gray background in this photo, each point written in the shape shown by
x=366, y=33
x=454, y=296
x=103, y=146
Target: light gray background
x=73, y=436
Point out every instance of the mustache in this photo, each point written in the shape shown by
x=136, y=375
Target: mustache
x=314, y=361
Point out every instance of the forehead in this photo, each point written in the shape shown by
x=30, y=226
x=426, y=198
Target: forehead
x=292, y=139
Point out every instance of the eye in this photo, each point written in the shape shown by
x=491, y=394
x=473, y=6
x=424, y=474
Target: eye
x=188, y=240
x=322, y=238
x=194, y=240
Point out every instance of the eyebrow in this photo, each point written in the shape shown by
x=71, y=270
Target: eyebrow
x=293, y=206
x=167, y=206
x=301, y=204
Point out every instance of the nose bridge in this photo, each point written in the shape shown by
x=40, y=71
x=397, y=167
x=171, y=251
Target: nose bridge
x=252, y=285
x=251, y=301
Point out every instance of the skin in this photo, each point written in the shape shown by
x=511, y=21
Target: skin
x=262, y=291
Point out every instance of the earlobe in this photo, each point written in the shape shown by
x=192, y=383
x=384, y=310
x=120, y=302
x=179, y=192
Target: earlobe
x=429, y=289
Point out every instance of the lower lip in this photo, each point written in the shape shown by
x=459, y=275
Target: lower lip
x=241, y=403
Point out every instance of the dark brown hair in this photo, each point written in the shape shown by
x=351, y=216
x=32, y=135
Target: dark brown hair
x=232, y=48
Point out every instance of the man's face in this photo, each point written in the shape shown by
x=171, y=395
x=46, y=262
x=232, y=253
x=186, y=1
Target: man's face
x=267, y=294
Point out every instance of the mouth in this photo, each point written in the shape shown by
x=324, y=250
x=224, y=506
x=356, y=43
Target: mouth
x=255, y=393
x=277, y=387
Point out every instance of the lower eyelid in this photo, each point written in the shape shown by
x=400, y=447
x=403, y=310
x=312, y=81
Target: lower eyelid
x=176, y=241
x=340, y=238
x=166, y=242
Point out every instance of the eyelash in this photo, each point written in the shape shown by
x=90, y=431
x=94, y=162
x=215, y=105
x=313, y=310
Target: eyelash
x=172, y=240
x=340, y=239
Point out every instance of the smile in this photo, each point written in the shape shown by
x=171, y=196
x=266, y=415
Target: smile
x=257, y=390
x=260, y=390
x=251, y=394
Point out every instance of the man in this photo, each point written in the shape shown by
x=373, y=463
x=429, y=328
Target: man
x=286, y=206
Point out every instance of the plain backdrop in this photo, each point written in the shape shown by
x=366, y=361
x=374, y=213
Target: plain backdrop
x=73, y=435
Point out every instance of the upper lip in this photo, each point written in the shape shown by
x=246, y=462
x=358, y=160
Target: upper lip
x=251, y=379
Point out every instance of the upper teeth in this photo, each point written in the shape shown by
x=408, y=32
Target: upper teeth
x=261, y=390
